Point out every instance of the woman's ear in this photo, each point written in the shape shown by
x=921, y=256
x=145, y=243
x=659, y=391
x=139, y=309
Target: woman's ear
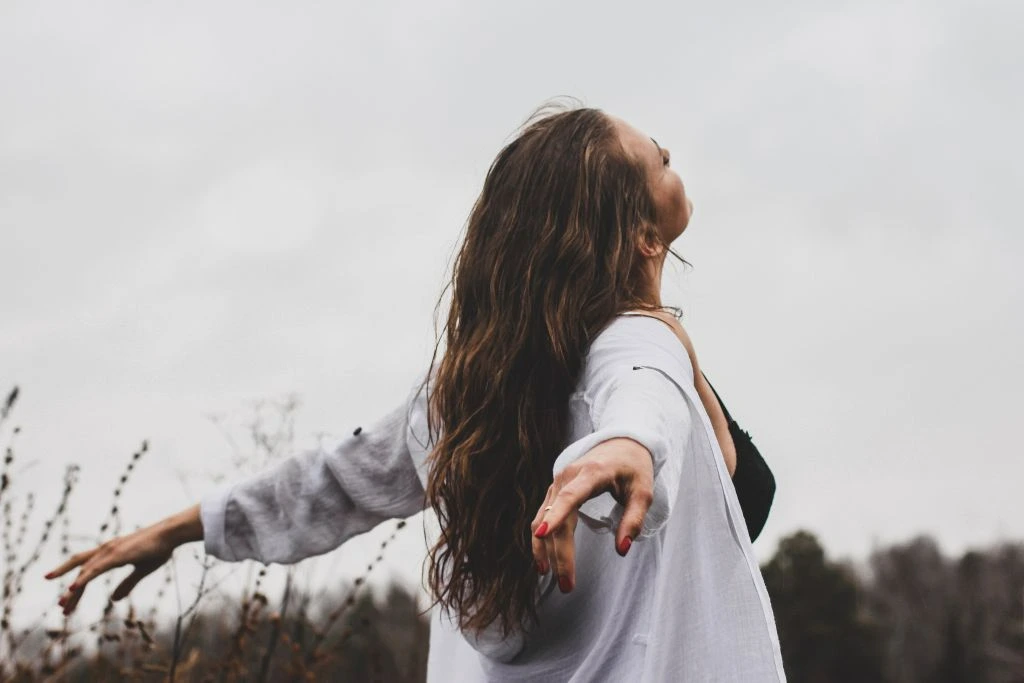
x=650, y=242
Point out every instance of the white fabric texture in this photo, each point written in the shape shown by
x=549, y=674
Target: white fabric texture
x=687, y=603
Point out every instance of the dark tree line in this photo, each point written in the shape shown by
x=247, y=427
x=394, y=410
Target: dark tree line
x=914, y=616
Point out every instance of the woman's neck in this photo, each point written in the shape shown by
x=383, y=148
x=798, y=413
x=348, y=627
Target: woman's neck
x=654, y=269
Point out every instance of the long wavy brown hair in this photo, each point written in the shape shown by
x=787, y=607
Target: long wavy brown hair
x=550, y=256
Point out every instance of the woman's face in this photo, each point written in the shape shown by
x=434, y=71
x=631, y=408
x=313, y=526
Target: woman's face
x=671, y=204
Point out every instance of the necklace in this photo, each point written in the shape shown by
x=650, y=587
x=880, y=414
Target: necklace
x=676, y=312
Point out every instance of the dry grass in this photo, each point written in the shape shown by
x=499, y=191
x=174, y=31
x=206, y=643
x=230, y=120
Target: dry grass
x=217, y=634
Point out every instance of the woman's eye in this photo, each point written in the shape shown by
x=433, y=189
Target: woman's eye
x=665, y=158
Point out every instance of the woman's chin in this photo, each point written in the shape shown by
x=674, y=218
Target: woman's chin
x=685, y=225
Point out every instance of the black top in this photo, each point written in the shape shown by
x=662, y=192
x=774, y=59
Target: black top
x=754, y=481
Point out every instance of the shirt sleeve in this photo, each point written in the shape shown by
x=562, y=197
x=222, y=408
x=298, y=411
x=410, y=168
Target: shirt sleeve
x=315, y=501
x=633, y=387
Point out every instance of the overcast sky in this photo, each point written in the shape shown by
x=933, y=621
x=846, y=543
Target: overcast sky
x=204, y=203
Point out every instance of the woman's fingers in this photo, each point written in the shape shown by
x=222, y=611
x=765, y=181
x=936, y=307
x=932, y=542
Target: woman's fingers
x=578, y=485
x=551, y=554
x=107, y=558
x=638, y=502
x=71, y=563
x=126, y=586
x=73, y=594
x=93, y=563
x=540, y=553
x=558, y=525
x=564, y=549
x=70, y=600
x=549, y=551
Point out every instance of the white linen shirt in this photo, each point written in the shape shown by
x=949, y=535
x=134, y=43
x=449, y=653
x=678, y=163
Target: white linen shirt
x=687, y=603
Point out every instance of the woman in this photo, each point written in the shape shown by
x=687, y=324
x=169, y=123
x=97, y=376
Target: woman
x=564, y=395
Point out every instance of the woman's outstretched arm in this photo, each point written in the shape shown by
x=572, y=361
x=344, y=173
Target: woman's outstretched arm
x=315, y=501
x=304, y=506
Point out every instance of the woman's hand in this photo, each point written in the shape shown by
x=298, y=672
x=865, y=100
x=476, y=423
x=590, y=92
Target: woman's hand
x=622, y=467
x=146, y=548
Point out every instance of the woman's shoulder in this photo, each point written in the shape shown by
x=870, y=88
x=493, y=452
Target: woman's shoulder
x=633, y=331
x=633, y=340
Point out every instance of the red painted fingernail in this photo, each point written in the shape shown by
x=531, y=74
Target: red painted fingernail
x=49, y=575
x=624, y=545
x=564, y=584
x=541, y=530
x=73, y=587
